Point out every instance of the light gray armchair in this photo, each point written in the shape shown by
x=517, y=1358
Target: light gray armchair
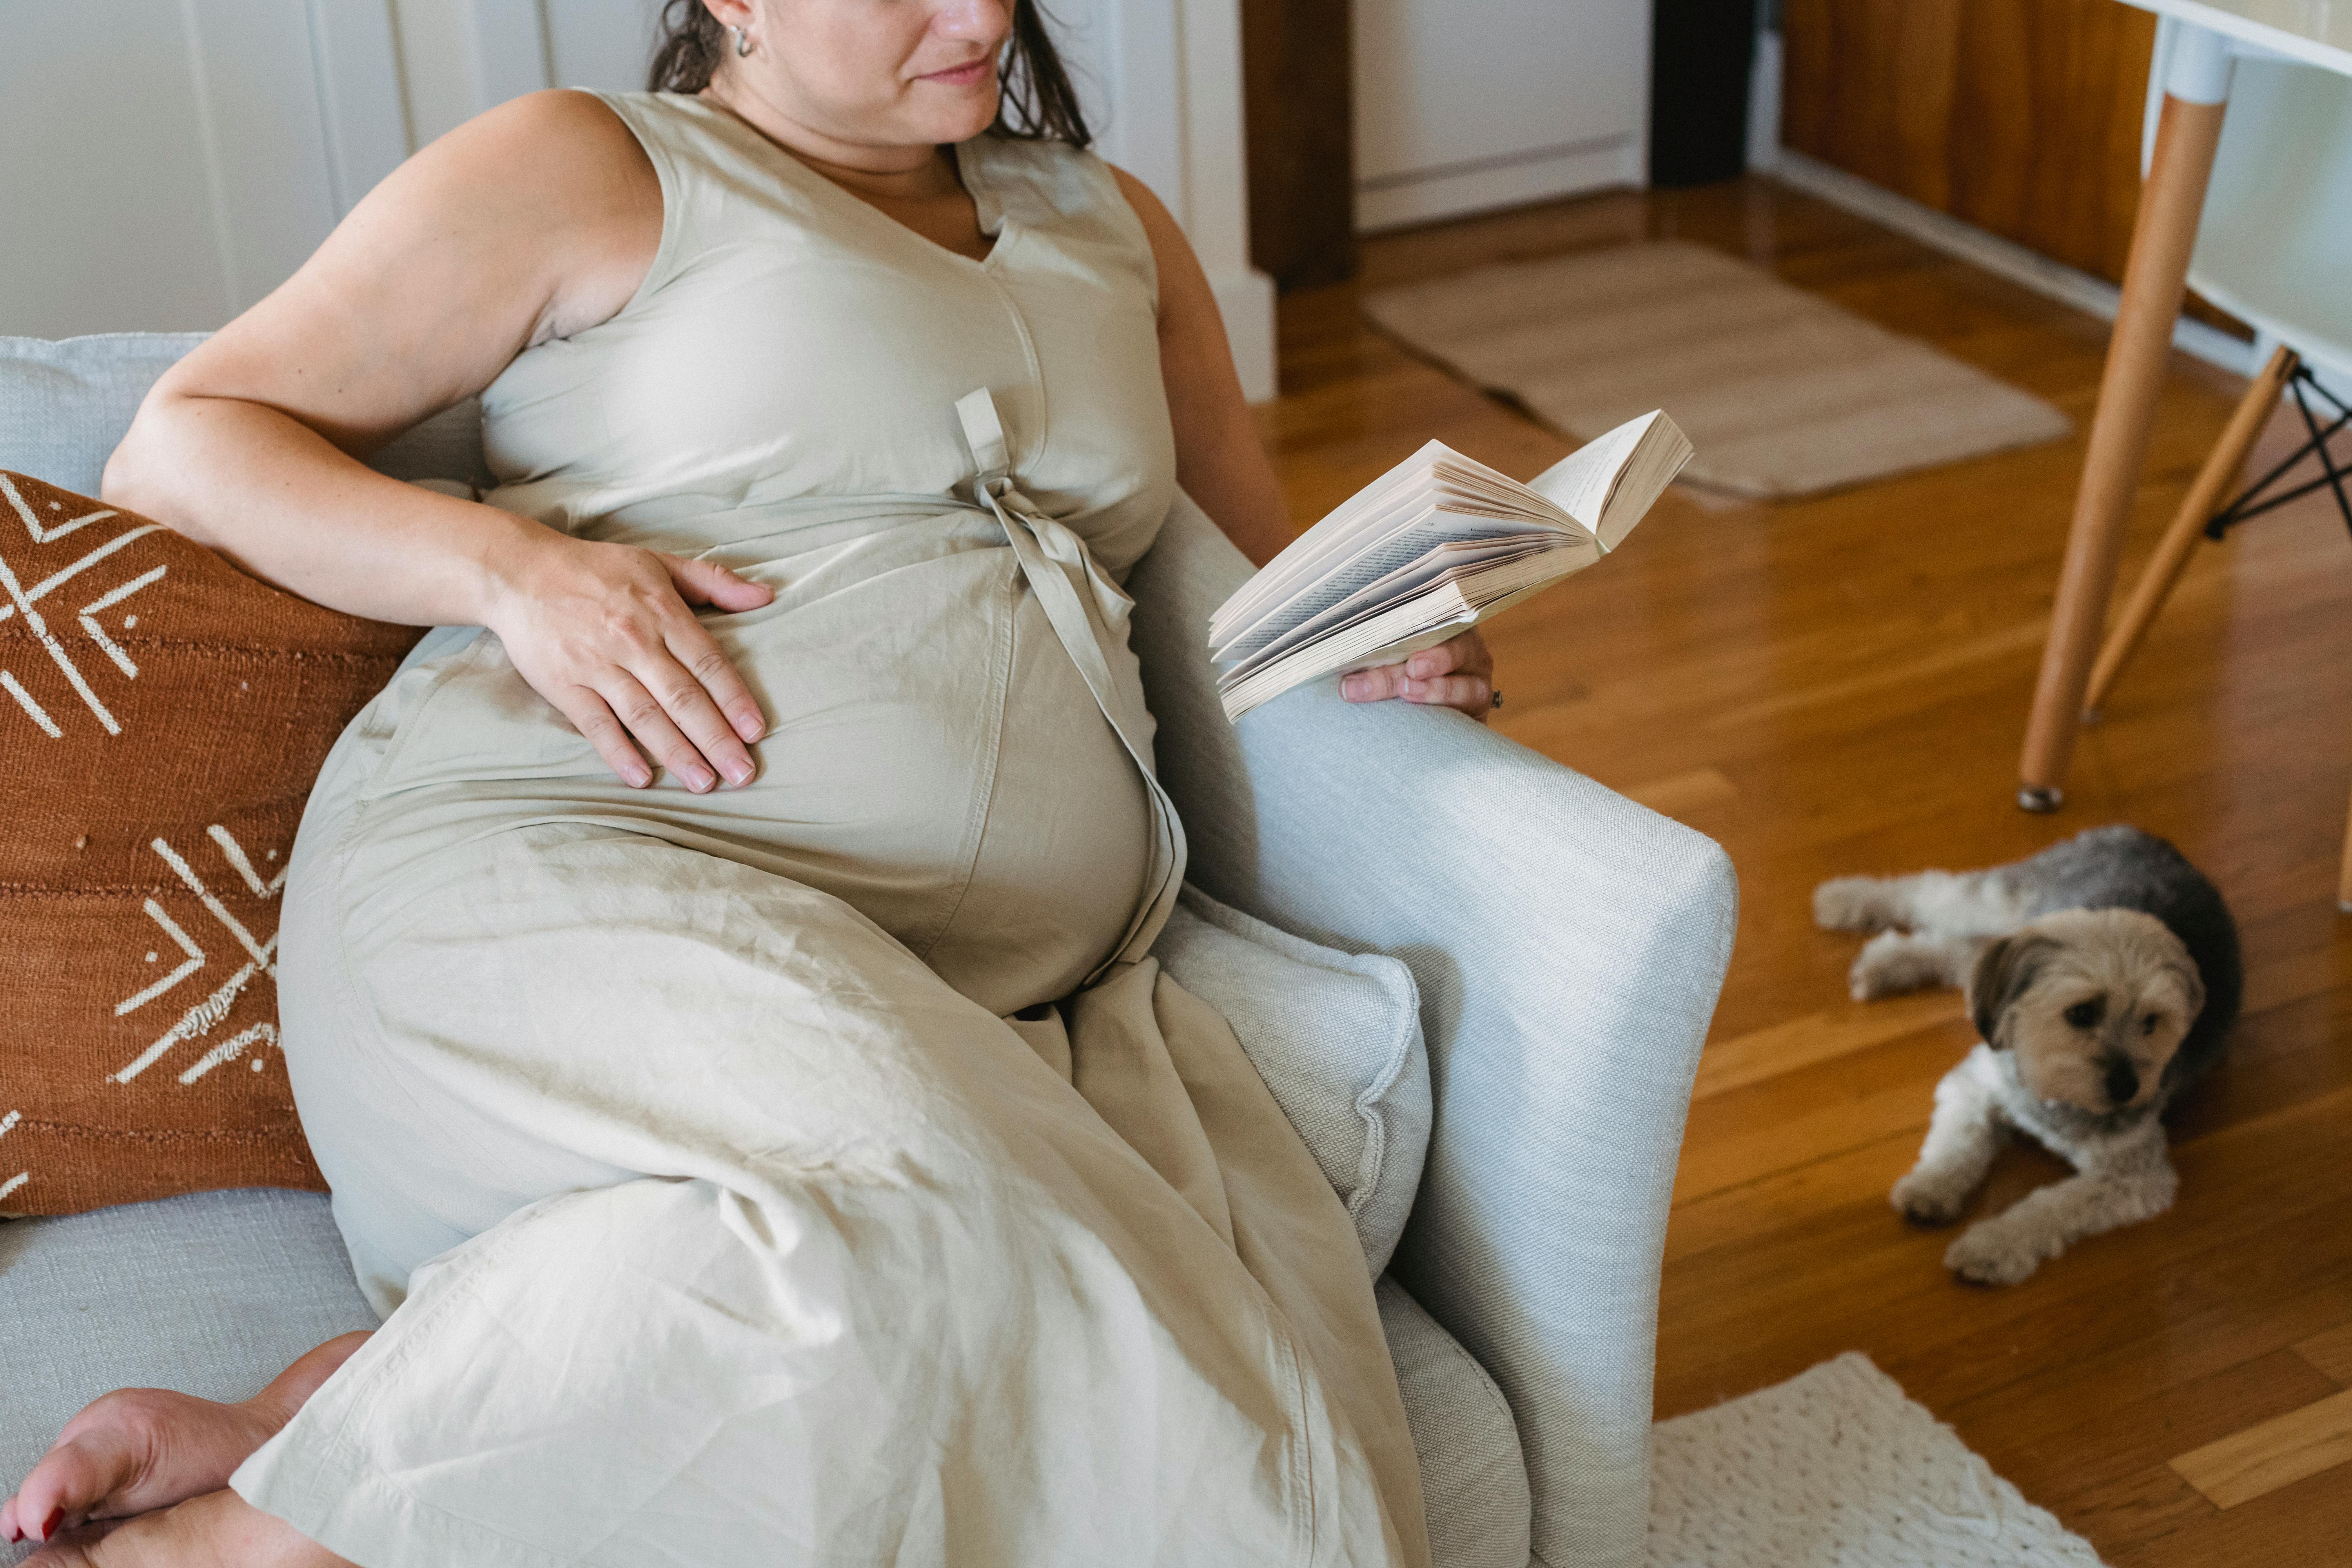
x=1568, y=945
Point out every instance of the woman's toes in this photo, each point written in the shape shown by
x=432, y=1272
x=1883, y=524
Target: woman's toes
x=134, y=1449
x=142, y=1449
x=219, y=1529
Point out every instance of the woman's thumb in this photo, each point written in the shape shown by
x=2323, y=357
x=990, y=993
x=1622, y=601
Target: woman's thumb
x=708, y=583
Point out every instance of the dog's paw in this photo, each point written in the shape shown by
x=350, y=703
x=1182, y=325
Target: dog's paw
x=1893, y=963
x=1930, y=1197
x=1990, y=1253
x=1850, y=904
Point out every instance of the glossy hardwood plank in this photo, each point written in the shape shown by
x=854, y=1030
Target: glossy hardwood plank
x=2257, y=1460
x=1835, y=686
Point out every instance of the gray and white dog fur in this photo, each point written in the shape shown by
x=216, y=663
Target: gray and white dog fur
x=2103, y=976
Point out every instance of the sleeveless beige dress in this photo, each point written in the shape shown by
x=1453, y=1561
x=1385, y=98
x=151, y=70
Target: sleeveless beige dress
x=819, y=1171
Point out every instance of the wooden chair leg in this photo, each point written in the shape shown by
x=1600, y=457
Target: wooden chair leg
x=2138, y=352
x=2156, y=584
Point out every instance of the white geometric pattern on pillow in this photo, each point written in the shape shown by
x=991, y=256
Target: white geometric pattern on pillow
x=1337, y=1038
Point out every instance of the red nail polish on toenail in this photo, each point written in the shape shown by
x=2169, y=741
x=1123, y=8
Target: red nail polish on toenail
x=56, y=1517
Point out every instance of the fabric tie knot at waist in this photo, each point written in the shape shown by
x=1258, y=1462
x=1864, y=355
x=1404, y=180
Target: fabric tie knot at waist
x=1089, y=616
x=992, y=487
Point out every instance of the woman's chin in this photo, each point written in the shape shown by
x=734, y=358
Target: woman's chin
x=954, y=113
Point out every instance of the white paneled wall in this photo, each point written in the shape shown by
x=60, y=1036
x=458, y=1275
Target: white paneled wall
x=1462, y=105
x=164, y=164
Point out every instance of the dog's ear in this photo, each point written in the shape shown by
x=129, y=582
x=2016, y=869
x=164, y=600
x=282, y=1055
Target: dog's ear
x=2192, y=982
x=2003, y=972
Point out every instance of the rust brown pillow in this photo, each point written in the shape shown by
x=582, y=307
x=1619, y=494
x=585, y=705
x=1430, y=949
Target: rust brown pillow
x=161, y=717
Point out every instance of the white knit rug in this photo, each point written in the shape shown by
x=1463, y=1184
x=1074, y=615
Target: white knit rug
x=1836, y=1468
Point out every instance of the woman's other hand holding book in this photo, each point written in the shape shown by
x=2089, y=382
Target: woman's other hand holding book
x=1457, y=673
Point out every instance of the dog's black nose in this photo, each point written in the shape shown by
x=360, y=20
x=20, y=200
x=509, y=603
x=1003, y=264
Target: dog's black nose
x=2123, y=1079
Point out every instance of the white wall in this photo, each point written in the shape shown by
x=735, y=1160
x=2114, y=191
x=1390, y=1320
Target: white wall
x=227, y=137
x=1462, y=105
x=164, y=164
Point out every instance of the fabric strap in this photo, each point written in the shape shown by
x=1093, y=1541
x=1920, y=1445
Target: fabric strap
x=1089, y=616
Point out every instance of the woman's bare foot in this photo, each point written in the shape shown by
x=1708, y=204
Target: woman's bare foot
x=218, y=1529
x=141, y=1448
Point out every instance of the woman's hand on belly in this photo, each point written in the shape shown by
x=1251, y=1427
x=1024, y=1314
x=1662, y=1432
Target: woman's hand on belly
x=604, y=633
x=1457, y=673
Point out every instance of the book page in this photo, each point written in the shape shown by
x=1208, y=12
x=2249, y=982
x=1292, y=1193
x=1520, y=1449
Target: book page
x=1446, y=564
x=1656, y=459
x=1436, y=478
x=1380, y=498
x=1422, y=621
x=1583, y=482
x=1370, y=561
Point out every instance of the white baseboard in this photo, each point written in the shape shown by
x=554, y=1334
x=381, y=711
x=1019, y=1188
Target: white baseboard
x=2094, y=296
x=1245, y=300
x=1393, y=201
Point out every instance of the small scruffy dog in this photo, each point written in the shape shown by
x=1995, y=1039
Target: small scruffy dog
x=2103, y=975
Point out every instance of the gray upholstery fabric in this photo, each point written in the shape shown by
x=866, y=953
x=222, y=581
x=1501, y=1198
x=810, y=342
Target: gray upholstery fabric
x=1473, y=1480
x=210, y=1294
x=65, y=405
x=1569, y=945
x=1336, y=1036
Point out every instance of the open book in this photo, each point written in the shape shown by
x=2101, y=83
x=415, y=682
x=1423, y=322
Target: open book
x=1437, y=544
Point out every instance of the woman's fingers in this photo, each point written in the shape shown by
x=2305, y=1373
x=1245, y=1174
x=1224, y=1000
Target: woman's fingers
x=1377, y=684
x=594, y=719
x=649, y=721
x=686, y=678
x=1430, y=662
x=1457, y=673
x=1465, y=654
x=708, y=583
x=1470, y=693
x=701, y=657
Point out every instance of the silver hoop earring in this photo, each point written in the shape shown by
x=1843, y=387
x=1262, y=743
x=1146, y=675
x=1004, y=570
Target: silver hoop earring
x=743, y=40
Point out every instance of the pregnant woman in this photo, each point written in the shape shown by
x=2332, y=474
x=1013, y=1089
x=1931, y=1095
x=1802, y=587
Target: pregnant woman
x=718, y=991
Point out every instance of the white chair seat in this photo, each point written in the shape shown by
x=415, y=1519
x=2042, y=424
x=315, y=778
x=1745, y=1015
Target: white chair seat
x=2275, y=245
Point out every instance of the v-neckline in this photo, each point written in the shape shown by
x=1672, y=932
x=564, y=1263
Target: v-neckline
x=975, y=186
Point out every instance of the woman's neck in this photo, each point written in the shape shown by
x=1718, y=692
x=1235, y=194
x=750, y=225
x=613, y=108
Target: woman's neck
x=890, y=172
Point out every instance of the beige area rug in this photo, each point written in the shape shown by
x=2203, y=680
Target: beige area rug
x=1782, y=393
x=1836, y=1468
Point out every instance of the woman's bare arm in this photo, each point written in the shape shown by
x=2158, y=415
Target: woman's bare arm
x=1223, y=465
x=533, y=221
x=1219, y=460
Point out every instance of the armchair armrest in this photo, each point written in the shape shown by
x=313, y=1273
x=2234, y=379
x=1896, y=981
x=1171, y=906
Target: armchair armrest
x=1569, y=945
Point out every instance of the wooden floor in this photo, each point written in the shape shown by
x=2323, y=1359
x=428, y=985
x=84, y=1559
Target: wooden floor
x=1840, y=685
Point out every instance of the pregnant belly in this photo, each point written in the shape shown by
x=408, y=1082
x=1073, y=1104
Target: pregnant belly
x=933, y=759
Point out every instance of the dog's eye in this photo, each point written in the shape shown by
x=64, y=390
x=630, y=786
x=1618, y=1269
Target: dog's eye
x=2085, y=1015
x=2147, y=1024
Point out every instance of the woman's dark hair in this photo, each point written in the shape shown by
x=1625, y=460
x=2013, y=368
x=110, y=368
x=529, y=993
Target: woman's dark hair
x=1035, y=102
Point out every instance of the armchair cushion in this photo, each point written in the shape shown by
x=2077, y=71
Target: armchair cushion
x=64, y=406
x=1337, y=1038
x=1473, y=1478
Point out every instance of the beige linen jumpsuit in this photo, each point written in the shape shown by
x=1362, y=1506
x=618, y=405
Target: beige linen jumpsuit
x=724, y=1213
